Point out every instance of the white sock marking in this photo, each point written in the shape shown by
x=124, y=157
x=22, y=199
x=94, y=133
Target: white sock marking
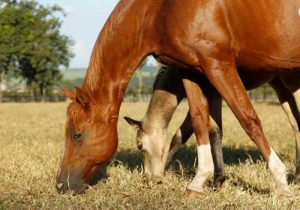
x=205, y=168
x=278, y=171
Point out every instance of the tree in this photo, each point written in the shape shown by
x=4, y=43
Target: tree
x=139, y=76
x=33, y=45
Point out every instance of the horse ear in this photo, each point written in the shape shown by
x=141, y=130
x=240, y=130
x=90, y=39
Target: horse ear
x=82, y=98
x=70, y=94
x=135, y=123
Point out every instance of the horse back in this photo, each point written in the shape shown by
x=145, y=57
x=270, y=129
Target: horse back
x=265, y=32
x=262, y=34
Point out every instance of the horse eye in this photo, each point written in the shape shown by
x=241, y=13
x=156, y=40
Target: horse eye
x=77, y=136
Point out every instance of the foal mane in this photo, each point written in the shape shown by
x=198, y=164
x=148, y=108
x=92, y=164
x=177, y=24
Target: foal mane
x=158, y=76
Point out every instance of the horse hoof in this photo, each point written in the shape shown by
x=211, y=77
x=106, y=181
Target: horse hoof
x=192, y=193
x=285, y=194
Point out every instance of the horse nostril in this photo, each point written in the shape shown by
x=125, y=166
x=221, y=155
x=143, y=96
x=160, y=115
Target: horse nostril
x=140, y=146
x=59, y=186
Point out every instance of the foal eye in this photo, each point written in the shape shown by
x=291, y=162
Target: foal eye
x=77, y=136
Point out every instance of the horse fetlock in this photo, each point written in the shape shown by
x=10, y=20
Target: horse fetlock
x=199, y=179
x=278, y=171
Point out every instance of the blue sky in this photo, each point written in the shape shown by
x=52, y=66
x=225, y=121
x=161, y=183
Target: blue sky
x=83, y=22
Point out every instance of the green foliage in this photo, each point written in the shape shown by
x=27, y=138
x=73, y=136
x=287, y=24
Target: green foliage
x=31, y=44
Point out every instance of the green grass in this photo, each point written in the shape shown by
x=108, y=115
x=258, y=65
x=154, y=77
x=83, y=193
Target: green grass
x=32, y=139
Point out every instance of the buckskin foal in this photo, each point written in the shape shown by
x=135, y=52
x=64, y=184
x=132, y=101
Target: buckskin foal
x=208, y=36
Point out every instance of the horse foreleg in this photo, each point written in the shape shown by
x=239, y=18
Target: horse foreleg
x=223, y=75
x=290, y=103
x=200, y=120
x=215, y=135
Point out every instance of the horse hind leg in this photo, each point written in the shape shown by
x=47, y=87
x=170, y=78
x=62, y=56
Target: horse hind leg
x=290, y=102
x=224, y=77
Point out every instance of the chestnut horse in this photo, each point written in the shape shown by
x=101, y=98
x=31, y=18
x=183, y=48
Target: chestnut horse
x=168, y=93
x=214, y=38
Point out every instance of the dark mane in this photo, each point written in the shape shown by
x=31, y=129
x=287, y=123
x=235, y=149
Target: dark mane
x=159, y=74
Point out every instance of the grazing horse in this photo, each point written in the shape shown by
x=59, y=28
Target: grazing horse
x=214, y=38
x=167, y=94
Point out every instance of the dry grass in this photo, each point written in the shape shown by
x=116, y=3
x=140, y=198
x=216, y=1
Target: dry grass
x=32, y=139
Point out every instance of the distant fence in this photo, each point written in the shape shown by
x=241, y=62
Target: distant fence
x=254, y=96
x=134, y=98
x=26, y=99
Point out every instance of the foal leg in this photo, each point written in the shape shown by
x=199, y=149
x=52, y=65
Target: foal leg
x=200, y=121
x=223, y=75
x=215, y=135
x=181, y=136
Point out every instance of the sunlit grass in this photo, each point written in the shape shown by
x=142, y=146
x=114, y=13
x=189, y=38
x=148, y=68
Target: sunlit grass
x=31, y=142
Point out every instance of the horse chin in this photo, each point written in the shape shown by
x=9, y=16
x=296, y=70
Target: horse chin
x=154, y=170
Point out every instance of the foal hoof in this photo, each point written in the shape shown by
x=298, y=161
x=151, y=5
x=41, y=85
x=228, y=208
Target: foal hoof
x=218, y=182
x=297, y=180
x=192, y=193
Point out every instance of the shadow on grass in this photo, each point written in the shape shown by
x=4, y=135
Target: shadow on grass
x=232, y=156
x=184, y=161
x=131, y=158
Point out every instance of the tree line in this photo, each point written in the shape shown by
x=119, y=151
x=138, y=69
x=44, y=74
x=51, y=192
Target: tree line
x=32, y=49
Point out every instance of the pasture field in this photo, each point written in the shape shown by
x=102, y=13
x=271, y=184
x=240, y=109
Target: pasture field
x=32, y=138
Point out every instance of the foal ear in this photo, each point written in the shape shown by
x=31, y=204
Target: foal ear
x=82, y=98
x=70, y=94
x=134, y=123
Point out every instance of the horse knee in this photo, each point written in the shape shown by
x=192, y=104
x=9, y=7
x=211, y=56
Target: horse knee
x=252, y=125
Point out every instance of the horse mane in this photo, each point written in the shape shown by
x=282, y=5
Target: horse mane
x=108, y=33
x=159, y=75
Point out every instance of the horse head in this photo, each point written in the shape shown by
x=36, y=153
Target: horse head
x=86, y=145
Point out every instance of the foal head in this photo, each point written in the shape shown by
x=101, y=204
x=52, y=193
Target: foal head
x=153, y=145
x=85, y=146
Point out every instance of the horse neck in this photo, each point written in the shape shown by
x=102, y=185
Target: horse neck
x=118, y=51
x=160, y=111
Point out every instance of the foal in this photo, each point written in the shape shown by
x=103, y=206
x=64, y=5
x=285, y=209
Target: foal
x=151, y=130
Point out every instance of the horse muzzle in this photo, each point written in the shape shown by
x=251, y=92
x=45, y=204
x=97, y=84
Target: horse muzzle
x=71, y=181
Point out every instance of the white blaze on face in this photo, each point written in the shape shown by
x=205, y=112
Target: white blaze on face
x=299, y=11
x=205, y=168
x=59, y=165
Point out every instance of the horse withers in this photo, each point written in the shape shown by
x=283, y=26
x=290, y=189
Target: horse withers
x=207, y=36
